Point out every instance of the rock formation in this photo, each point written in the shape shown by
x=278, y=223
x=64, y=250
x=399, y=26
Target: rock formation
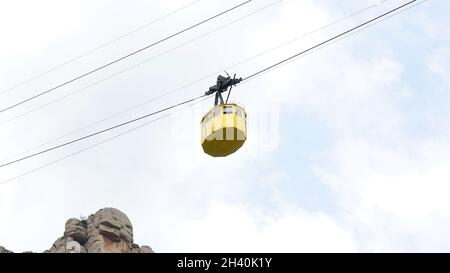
x=4, y=250
x=107, y=231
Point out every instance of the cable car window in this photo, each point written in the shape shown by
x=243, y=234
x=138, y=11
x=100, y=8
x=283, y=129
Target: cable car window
x=228, y=110
x=217, y=112
x=238, y=112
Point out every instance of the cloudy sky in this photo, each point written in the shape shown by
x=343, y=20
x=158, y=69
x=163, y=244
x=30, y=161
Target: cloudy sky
x=347, y=150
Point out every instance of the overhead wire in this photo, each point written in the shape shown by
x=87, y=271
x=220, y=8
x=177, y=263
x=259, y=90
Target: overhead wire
x=122, y=58
x=103, y=131
x=138, y=64
x=246, y=79
x=37, y=76
x=330, y=39
x=101, y=142
x=287, y=61
x=191, y=83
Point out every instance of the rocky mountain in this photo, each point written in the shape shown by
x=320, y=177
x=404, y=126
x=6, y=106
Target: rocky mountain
x=107, y=231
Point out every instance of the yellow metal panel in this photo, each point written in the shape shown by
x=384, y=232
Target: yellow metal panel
x=224, y=134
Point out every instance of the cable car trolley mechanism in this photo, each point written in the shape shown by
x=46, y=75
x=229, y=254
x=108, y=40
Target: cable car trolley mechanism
x=224, y=127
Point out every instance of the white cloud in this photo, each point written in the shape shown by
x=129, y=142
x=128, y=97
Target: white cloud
x=27, y=23
x=391, y=186
x=439, y=63
x=394, y=195
x=237, y=228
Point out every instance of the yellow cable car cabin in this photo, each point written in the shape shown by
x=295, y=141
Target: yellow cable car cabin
x=224, y=127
